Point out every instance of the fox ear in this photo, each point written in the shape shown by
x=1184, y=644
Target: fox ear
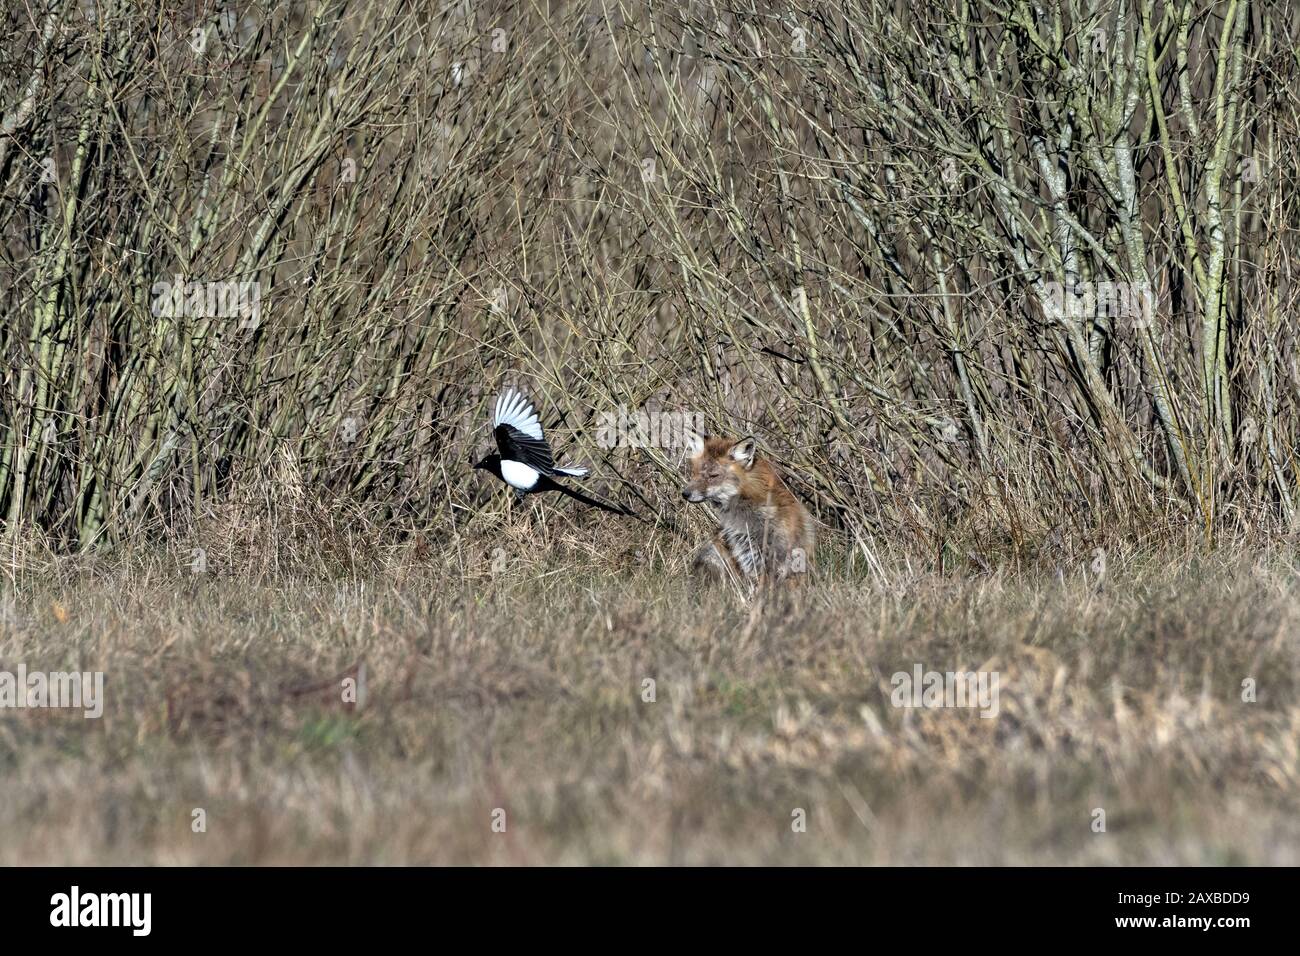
x=743, y=451
x=694, y=444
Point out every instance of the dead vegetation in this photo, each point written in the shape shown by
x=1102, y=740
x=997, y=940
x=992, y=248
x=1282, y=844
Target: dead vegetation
x=1030, y=267
x=523, y=689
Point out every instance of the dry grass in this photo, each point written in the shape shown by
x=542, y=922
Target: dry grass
x=522, y=689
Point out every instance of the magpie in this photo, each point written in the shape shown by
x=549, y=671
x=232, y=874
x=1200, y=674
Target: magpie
x=525, y=462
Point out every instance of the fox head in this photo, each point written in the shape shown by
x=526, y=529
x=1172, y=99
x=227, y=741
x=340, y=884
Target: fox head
x=718, y=467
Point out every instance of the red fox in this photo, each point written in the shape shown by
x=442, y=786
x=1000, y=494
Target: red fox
x=767, y=535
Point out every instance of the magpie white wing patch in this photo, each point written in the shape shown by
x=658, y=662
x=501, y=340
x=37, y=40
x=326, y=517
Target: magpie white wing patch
x=516, y=411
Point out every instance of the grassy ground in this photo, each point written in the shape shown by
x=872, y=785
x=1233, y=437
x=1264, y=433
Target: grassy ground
x=489, y=683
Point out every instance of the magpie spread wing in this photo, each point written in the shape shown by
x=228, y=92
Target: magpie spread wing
x=517, y=412
x=518, y=432
x=516, y=446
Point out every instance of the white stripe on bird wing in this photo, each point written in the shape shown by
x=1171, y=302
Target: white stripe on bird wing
x=516, y=411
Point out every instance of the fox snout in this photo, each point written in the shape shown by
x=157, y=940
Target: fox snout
x=718, y=491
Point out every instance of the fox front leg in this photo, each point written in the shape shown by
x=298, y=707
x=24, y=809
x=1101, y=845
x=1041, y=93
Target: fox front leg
x=717, y=559
x=710, y=561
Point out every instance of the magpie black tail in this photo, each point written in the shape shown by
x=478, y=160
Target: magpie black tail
x=579, y=496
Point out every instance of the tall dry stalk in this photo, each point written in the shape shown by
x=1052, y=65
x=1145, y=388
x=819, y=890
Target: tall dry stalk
x=1000, y=266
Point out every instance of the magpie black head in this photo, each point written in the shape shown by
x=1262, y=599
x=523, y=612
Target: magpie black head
x=491, y=463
